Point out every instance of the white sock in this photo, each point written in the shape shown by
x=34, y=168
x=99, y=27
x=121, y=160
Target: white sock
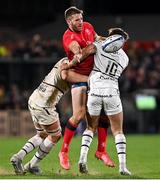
x=31, y=144
x=44, y=148
x=120, y=142
x=86, y=141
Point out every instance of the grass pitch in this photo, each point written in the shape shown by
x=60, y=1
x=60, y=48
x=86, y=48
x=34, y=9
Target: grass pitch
x=143, y=159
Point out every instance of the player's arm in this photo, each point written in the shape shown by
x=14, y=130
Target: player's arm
x=99, y=38
x=75, y=48
x=73, y=77
x=87, y=51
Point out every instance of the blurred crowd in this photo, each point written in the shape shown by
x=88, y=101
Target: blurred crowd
x=34, y=47
x=143, y=71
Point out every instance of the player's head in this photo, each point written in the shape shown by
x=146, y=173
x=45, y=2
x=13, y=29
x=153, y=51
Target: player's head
x=74, y=18
x=119, y=31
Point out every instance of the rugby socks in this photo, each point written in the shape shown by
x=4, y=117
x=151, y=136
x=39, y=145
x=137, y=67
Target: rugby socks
x=102, y=137
x=120, y=142
x=44, y=148
x=68, y=135
x=85, y=145
x=102, y=133
x=32, y=143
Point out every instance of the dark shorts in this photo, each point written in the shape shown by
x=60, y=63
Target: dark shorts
x=79, y=84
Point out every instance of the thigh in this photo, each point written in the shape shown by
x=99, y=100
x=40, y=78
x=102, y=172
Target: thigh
x=79, y=99
x=43, y=116
x=53, y=129
x=94, y=105
x=47, y=124
x=112, y=105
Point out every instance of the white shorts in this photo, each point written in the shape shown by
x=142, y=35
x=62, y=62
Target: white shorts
x=107, y=99
x=43, y=116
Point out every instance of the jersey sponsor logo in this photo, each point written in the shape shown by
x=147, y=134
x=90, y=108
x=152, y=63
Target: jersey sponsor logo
x=42, y=87
x=108, y=78
x=98, y=95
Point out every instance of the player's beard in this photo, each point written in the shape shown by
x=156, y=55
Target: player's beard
x=77, y=28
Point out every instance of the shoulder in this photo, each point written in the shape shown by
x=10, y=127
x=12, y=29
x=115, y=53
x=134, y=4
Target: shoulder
x=68, y=36
x=67, y=33
x=123, y=54
x=63, y=60
x=88, y=25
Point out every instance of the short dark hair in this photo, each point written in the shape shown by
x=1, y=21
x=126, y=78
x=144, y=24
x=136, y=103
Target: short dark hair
x=72, y=10
x=119, y=31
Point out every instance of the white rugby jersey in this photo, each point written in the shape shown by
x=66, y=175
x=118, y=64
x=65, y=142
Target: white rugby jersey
x=51, y=88
x=108, y=67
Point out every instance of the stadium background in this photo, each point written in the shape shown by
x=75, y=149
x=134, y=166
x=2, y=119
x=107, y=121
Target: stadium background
x=30, y=44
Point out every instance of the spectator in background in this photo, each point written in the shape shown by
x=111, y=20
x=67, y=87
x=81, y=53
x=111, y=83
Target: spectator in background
x=2, y=96
x=37, y=46
x=13, y=97
x=141, y=78
x=4, y=51
x=22, y=49
x=53, y=48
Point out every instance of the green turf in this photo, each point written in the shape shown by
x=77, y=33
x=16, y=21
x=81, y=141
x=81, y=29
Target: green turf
x=143, y=159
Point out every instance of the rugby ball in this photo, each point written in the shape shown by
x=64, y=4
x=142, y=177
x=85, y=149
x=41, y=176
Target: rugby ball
x=113, y=43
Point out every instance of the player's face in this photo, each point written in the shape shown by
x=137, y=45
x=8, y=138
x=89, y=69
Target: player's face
x=76, y=22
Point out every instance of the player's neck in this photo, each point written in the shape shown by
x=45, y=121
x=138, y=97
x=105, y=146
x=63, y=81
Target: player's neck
x=71, y=29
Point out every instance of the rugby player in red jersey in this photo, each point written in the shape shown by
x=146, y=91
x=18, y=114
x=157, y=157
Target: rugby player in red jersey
x=78, y=35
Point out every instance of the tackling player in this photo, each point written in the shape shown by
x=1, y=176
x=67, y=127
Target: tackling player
x=42, y=104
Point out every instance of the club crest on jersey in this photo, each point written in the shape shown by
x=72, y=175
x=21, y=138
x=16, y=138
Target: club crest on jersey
x=72, y=36
x=88, y=31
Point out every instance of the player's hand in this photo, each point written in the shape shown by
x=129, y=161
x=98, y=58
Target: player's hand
x=64, y=66
x=77, y=57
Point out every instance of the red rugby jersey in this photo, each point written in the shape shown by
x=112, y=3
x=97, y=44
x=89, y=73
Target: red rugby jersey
x=85, y=37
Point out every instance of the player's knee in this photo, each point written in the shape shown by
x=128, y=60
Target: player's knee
x=55, y=138
x=93, y=128
x=80, y=115
x=116, y=131
x=55, y=135
x=42, y=134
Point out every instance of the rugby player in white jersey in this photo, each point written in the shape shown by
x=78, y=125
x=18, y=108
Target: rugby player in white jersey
x=104, y=93
x=41, y=105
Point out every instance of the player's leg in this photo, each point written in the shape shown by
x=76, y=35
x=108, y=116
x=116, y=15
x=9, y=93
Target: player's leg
x=30, y=145
x=86, y=142
x=102, y=131
x=94, y=105
x=54, y=133
x=120, y=141
x=115, y=115
x=79, y=110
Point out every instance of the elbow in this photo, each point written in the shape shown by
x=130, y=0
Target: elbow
x=92, y=49
x=64, y=75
